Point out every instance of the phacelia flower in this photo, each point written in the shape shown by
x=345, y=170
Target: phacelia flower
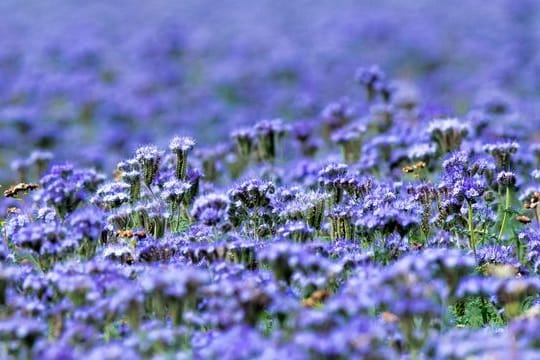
x=506, y=179
x=448, y=133
x=502, y=152
x=244, y=138
x=269, y=132
x=210, y=209
x=149, y=157
x=181, y=146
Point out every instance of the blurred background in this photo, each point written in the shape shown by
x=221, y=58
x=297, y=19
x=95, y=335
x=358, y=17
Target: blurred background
x=90, y=81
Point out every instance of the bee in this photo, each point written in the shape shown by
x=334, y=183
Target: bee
x=389, y=317
x=523, y=219
x=124, y=233
x=117, y=175
x=408, y=169
x=128, y=233
x=317, y=297
x=533, y=200
x=16, y=190
x=414, y=167
x=309, y=302
x=320, y=295
x=13, y=210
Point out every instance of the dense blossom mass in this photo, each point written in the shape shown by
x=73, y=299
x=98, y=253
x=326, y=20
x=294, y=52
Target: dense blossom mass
x=174, y=188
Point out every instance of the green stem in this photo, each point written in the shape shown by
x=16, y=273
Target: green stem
x=518, y=247
x=472, y=241
x=177, y=216
x=485, y=315
x=506, y=208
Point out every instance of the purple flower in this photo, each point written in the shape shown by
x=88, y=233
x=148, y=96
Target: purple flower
x=244, y=138
x=40, y=159
x=336, y=115
x=112, y=195
x=65, y=188
x=296, y=231
x=350, y=140
x=372, y=78
x=448, y=133
x=269, y=132
x=181, y=146
x=174, y=192
x=241, y=342
x=42, y=238
x=149, y=157
x=23, y=329
x=210, y=209
x=506, y=179
x=502, y=152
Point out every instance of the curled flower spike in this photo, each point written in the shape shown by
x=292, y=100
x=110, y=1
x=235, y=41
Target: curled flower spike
x=383, y=116
x=269, y=132
x=502, y=152
x=65, y=187
x=330, y=178
x=181, y=146
x=350, y=140
x=506, y=179
x=87, y=225
x=336, y=115
x=297, y=231
x=210, y=209
x=193, y=177
x=112, y=195
x=372, y=78
x=211, y=158
x=41, y=160
x=149, y=157
x=133, y=178
x=448, y=133
x=303, y=133
x=244, y=139
x=308, y=207
x=21, y=167
x=341, y=223
x=253, y=193
x=130, y=173
x=422, y=152
x=174, y=192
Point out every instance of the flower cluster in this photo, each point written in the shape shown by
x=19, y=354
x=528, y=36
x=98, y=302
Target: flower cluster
x=180, y=195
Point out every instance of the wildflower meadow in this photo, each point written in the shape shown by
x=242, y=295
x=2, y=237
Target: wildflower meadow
x=269, y=179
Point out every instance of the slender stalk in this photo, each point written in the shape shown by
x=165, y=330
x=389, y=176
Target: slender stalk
x=518, y=248
x=505, y=214
x=472, y=241
x=485, y=315
x=486, y=234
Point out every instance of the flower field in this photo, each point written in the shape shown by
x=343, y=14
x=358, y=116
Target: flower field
x=269, y=180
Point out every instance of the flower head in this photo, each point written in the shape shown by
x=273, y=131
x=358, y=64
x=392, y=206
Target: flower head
x=149, y=157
